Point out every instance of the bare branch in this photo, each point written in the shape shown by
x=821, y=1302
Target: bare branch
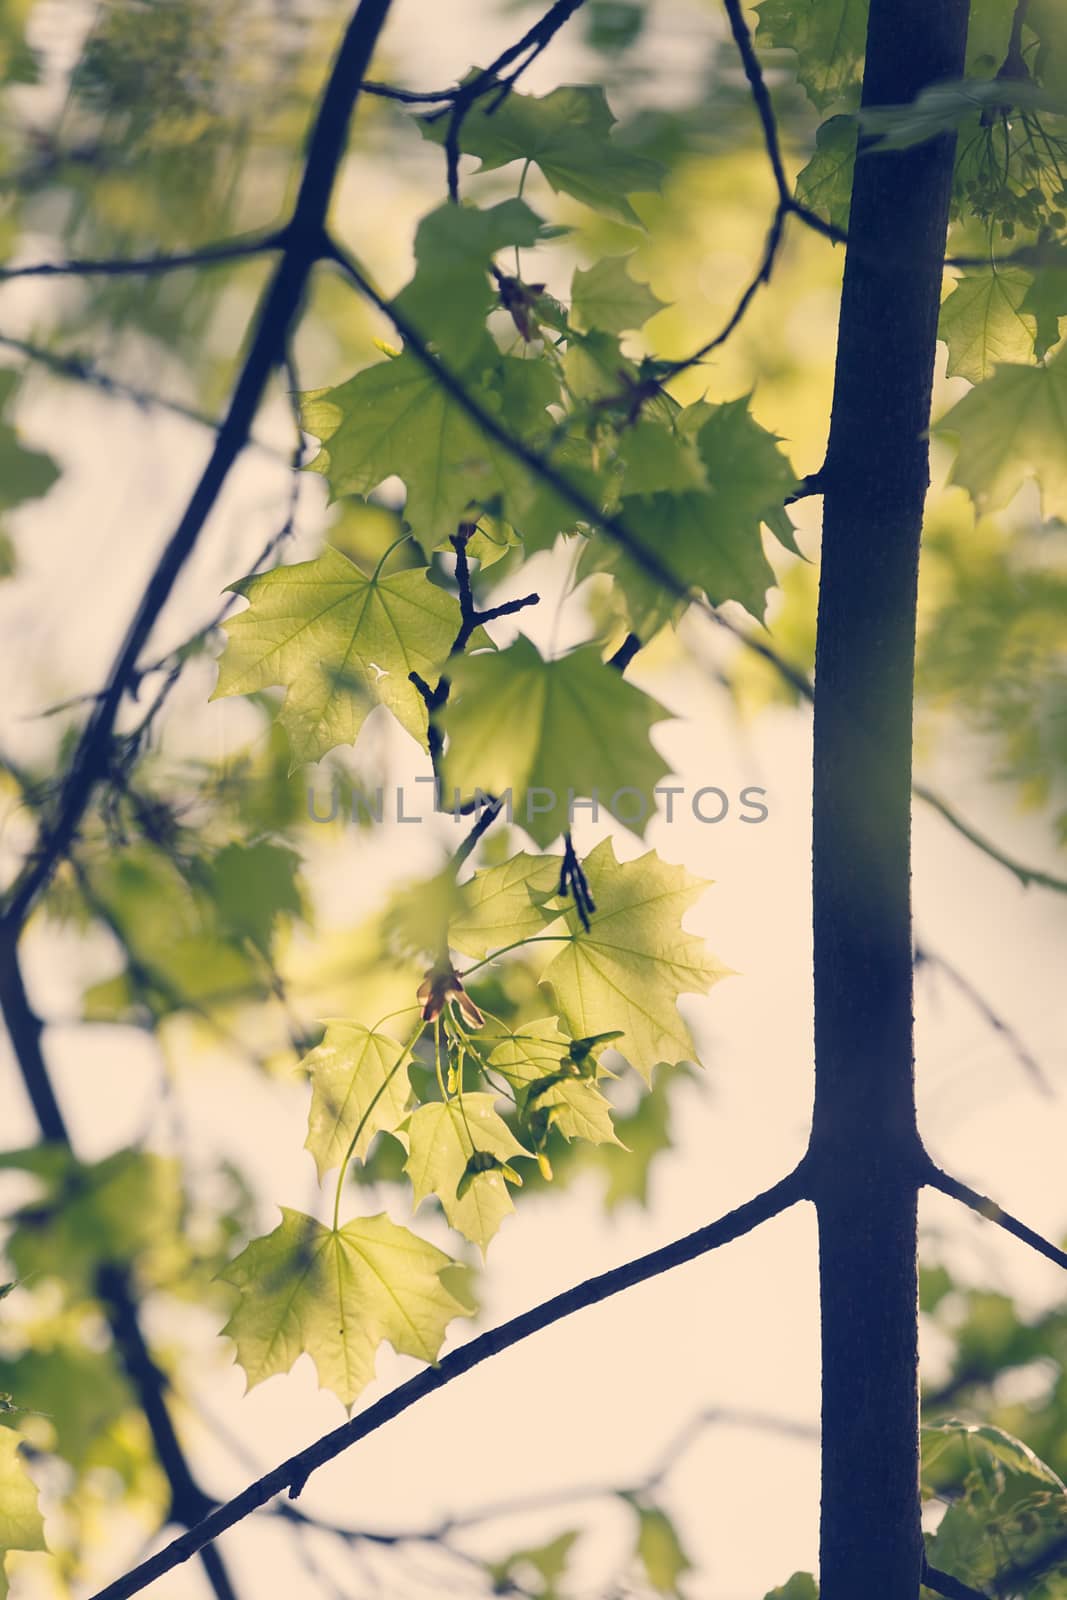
x=924, y=956
x=1025, y=875
x=292, y=1474
x=936, y=1179
x=212, y=255
x=80, y=370
x=305, y=243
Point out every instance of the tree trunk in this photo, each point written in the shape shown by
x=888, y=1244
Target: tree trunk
x=865, y=1145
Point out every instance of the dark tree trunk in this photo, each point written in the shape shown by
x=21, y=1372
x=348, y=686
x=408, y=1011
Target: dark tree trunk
x=865, y=1143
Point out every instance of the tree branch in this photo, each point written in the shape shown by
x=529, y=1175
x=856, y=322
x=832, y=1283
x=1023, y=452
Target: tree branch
x=80, y=370
x=292, y=1474
x=211, y=255
x=641, y=555
x=924, y=956
x=1025, y=875
x=305, y=243
x=188, y=1503
x=935, y=1178
x=953, y=1588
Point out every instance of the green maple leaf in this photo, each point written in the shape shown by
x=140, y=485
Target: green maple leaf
x=395, y=418
x=21, y=1523
x=628, y=971
x=568, y=134
x=1011, y=427
x=607, y=297
x=710, y=538
x=548, y=731
x=340, y=643
x=749, y=475
x=984, y=325
x=356, y=1082
x=825, y=184
x=1046, y=302
x=501, y=905
x=443, y=1137
x=536, y=1060
x=337, y=1296
x=693, y=540
x=829, y=38
x=656, y=459
x=453, y=248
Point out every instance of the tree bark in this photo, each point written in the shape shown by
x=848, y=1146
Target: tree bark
x=865, y=1145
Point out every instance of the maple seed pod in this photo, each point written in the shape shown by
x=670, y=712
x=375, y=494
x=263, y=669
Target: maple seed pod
x=442, y=986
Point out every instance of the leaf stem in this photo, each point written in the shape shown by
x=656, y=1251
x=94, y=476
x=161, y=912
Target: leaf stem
x=401, y=1061
x=520, y=944
x=376, y=574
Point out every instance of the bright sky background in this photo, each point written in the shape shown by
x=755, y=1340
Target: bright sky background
x=598, y=1399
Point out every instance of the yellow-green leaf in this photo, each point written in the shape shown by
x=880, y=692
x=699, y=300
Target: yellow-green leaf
x=357, y=1083
x=536, y=1061
x=337, y=1296
x=983, y=323
x=551, y=732
x=505, y=903
x=340, y=643
x=628, y=971
x=442, y=1137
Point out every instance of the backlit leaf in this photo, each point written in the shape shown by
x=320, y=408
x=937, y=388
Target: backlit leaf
x=337, y=1296
x=340, y=643
x=568, y=134
x=356, y=1083
x=551, y=731
x=442, y=1138
x=628, y=971
x=983, y=323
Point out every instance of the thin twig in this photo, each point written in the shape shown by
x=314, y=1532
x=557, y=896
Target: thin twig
x=924, y=956
x=937, y=1179
x=80, y=370
x=1025, y=875
x=291, y=1475
x=212, y=255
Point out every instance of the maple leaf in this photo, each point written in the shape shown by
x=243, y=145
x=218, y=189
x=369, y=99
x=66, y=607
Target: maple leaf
x=340, y=643
x=536, y=1060
x=983, y=322
x=501, y=905
x=567, y=133
x=629, y=969
x=1011, y=427
x=394, y=418
x=337, y=1295
x=550, y=731
x=607, y=297
x=445, y=1138
x=454, y=246
x=357, y=1082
